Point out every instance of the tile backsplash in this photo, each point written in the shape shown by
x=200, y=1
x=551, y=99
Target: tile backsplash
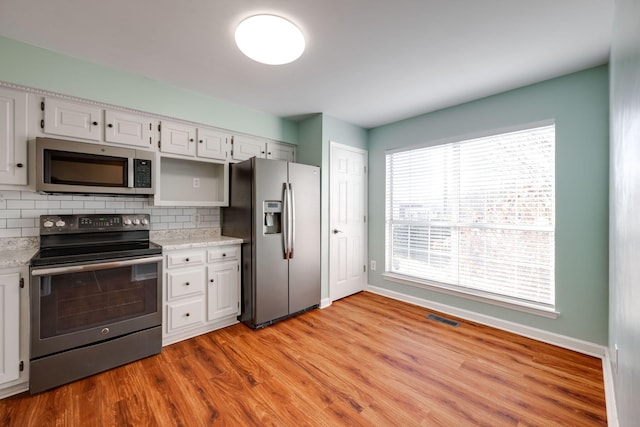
x=20, y=211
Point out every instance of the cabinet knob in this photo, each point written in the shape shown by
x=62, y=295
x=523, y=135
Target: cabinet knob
x=211, y=280
x=200, y=141
x=262, y=152
x=187, y=284
x=269, y=153
x=224, y=254
x=190, y=139
x=19, y=165
x=110, y=125
x=95, y=123
x=186, y=259
x=187, y=314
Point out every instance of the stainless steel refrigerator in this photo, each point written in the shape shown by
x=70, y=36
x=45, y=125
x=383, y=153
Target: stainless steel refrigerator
x=275, y=207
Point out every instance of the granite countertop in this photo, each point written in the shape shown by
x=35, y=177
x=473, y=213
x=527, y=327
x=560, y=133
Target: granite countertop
x=16, y=257
x=194, y=242
x=191, y=238
x=17, y=251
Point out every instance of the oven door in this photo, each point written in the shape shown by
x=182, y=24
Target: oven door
x=77, y=305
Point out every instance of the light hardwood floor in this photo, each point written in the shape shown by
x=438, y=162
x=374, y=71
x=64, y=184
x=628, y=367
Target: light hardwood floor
x=364, y=361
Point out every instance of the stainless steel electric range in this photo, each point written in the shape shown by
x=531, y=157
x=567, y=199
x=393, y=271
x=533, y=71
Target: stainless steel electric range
x=95, y=296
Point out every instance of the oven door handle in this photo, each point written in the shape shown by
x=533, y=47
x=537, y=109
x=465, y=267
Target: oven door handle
x=51, y=271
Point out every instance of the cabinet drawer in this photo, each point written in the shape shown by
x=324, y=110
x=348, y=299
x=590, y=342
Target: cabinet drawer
x=187, y=282
x=223, y=253
x=183, y=259
x=185, y=314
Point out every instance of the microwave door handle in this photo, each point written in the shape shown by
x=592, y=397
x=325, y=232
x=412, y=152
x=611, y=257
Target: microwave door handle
x=131, y=161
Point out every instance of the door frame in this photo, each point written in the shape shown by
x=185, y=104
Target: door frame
x=365, y=244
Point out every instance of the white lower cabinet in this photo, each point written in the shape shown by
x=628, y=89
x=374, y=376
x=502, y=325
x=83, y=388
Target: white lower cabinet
x=201, y=291
x=222, y=292
x=14, y=332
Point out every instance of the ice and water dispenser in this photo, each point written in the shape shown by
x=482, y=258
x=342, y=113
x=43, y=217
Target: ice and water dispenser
x=272, y=216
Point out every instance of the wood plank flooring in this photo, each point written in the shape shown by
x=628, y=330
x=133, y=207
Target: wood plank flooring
x=364, y=361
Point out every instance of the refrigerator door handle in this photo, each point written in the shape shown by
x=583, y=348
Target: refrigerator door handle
x=285, y=221
x=292, y=218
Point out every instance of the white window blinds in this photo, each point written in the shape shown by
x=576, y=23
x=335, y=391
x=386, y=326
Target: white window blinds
x=476, y=215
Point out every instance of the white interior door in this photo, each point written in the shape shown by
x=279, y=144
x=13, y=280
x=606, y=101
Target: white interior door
x=348, y=211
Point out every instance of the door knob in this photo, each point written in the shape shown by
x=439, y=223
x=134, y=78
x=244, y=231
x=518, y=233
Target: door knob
x=336, y=231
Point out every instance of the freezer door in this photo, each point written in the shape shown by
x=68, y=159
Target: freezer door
x=271, y=288
x=304, y=262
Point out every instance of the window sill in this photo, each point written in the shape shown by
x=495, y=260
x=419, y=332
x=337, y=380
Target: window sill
x=527, y=307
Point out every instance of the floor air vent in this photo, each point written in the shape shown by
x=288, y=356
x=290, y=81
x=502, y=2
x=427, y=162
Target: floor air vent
x=443, y=320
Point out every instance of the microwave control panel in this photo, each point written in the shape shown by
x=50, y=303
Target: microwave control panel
x=142, y=173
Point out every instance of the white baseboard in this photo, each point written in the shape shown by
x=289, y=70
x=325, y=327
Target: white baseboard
x=609, y=391
x=574, y=344
x=325, y=302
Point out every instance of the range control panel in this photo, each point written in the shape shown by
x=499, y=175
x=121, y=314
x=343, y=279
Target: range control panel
x=90, y=223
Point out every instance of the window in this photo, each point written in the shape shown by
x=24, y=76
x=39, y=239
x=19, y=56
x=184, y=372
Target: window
x=476, y=216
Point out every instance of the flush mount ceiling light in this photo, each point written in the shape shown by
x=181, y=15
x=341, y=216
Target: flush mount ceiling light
x=270, y=39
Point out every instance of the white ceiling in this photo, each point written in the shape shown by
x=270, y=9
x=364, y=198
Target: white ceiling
x=367, y=62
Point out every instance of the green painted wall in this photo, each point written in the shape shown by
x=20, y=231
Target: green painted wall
x=315, y=136
x=31, y=66
x=624, y=309
x=579, y=105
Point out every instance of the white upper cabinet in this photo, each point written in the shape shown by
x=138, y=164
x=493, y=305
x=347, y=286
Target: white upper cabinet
x=13, y=137
x=177, y=138
x=71, y=119
x=279, y=151
x=246, y=147
x=213, y=143
x=128, y=129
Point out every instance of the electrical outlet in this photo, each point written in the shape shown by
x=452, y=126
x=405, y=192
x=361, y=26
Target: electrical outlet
x=196, y=182
x=373, y=265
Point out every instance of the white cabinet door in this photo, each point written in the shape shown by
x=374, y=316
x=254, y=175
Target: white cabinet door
x=212, y=143
x=129, y=129
x=185, y=282
x=177, y=138
x=13, y=137
x=279, y=151
x=245, y=147
x=183, y=314
x=223, y=292
x=71, y=119
x=9, y=327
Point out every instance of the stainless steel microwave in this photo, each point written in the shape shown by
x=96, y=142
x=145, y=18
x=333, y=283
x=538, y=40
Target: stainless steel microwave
x=77, y=167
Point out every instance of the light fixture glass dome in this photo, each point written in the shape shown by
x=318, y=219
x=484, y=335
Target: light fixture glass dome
x=270, y=39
